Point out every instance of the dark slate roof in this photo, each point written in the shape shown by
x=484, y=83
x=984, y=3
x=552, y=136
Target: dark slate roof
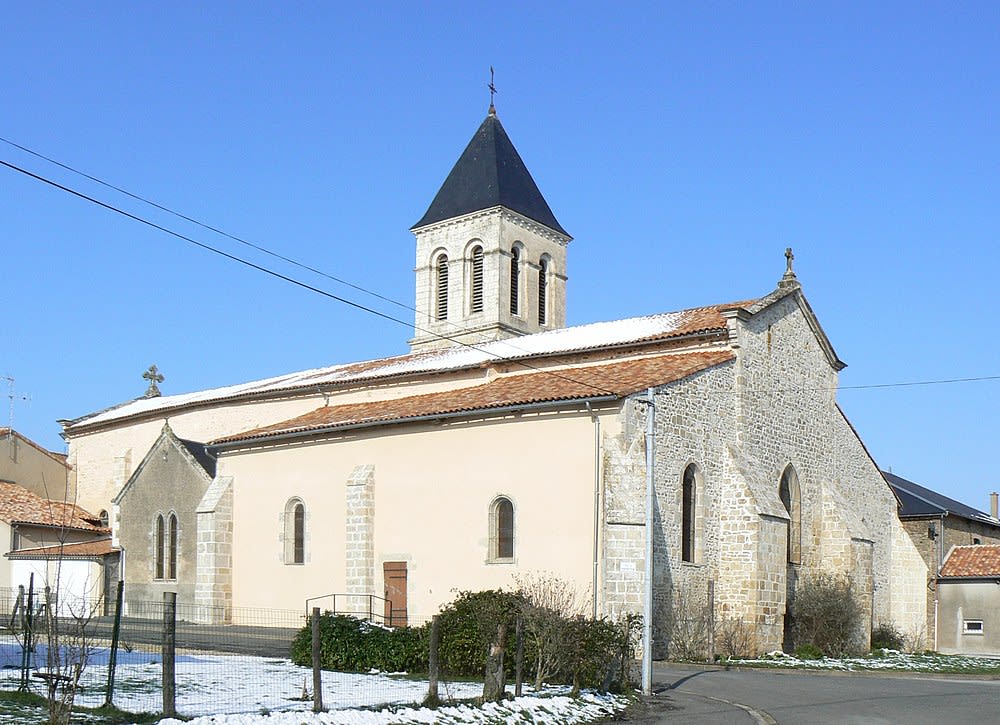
x=490, y=173
x=202, y=453
x=920, y=501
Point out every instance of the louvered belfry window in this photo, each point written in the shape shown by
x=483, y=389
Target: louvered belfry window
x=442, y=288
x=477, y=280
x=515, y=280
x=543, y=282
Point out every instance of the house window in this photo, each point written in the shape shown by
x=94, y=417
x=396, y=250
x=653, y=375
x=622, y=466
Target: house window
x=158, y=542
x=688, y=501
x=476, y=288
x=441, y=312
x=295, y=532
x=543, y=283
x=171, y=546
x=976, y=541
x=788, y=491
x=972, y=626
x=502, y=529
x=515, y=280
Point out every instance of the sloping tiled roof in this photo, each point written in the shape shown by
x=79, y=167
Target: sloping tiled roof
x=592, y=336
x=490, y=173
x=615, y=380
x=920, y=501
x=973, y=561
x=18, y=504
x=79, y=550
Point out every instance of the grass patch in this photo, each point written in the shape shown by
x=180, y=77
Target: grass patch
x=879, y=661
x=29, y=708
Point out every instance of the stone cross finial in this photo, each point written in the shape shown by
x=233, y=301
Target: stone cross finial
x=788, y=279
x=153, y=376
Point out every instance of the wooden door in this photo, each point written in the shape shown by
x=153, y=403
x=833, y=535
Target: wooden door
x=394, y=576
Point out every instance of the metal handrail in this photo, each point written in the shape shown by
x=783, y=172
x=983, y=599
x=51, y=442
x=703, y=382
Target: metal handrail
x=372, y=613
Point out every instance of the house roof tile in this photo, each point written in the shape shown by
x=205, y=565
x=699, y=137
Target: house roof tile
x=973, y=561
x=553, y=343
x=19, y=505
x=79, y=550
x=617, y=380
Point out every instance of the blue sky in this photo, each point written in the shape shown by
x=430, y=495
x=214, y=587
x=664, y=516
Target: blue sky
x=684, y=145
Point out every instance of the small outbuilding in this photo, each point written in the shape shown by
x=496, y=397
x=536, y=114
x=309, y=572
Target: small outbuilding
x=969, y=601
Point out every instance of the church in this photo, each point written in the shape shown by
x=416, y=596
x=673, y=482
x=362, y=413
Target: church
x=505, y=444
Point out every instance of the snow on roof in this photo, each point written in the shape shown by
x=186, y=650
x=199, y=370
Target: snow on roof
x=566, y=340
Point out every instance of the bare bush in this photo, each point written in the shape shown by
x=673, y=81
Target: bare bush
x=736, y=638
x=549, y=603
x=827, y=615
x=689, y=627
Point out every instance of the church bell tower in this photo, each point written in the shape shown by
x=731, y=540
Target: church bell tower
x=491, y=257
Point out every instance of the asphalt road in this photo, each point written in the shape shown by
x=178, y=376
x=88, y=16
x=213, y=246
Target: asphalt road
x=710, y=695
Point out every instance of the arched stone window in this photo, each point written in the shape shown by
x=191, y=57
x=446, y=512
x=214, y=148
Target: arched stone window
x=515, y=280
x=788, y=491
x=502, y=529
x=689, y=502
x=171, y=555
x=476, y=280
x=158, y=541
x=543, y=290
x=294, y=535
x=441, y=291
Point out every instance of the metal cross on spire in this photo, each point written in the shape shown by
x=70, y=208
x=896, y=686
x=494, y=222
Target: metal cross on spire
x=153, y=376
x=493, y=92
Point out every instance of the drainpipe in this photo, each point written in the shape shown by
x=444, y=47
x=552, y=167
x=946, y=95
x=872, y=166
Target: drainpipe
x=647, y=614
x=597, y=502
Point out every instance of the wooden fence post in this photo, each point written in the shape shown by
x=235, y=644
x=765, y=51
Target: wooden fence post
x=317, y=662
x=432, y=661
x=169, y=647
x=115, y=634
x=519, y=657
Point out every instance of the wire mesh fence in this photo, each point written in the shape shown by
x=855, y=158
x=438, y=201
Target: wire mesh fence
x=218, y=668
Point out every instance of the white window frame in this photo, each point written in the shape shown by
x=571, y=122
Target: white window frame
x=973, y=627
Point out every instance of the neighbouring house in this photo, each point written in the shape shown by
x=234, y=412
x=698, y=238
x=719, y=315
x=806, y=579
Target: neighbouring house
x=969, y=601
x=936, y=524
x=45, y=473
x=505, y=444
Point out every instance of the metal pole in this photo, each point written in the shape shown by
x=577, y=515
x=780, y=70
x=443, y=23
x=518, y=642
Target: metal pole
x=647, y=608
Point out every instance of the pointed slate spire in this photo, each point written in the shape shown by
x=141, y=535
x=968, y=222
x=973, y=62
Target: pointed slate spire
x=490, y=173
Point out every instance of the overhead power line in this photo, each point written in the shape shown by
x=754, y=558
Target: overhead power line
x=286, y=278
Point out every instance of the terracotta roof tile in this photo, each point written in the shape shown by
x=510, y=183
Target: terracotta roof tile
x=617, y=379
x=82, y=549
x=547, y=345
x=973, y=561
x=18, y=504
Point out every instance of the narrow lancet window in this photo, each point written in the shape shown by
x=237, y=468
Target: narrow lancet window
x=688, y=501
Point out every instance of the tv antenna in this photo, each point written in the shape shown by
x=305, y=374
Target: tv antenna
x=11, y=397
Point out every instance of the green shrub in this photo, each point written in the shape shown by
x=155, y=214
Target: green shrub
x=886, y=636
x=352, y=645
x=808, y=651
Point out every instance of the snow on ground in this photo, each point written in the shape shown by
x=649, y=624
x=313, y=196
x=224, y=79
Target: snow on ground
x=244, y=687
x=888, y=659
x=554, y=710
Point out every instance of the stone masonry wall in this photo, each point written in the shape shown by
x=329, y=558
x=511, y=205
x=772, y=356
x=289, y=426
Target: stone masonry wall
x=214, y=586
x=360, y=535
